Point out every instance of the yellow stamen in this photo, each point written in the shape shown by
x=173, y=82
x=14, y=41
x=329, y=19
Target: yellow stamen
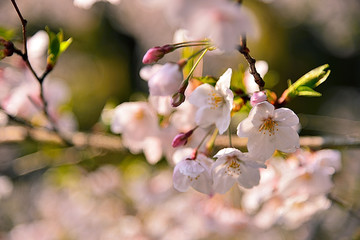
x=139, y=114
x=215, y=100
x=233, y=166
x=269, y=125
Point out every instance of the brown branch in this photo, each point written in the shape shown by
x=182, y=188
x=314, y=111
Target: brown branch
x=244, y=50
x=41, y=79
x=17, y=134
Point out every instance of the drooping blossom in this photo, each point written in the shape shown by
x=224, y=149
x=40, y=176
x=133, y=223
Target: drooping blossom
x=233, y=166
x=268, y=129
x=194, y=173
x=214, y=103
x=223, y=22
x=163, y=80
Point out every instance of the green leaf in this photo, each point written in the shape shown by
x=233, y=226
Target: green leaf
x=207, y=79
x=304, y=86
x=56, y=45
x=65, y=44
x=314, y=78
x=6, y=34
x=307, y=91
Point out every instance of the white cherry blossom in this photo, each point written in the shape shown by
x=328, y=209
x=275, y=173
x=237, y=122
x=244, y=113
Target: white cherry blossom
x=234, y=166
x=269, y=129
x=137, y=122
x=214, y=103
x=87, y=4
x=194, y=173
x=164, y=80
x=223, y=22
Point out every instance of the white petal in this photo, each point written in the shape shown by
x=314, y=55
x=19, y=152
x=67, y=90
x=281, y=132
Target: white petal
x=190, y=168
x=205, y=117
x=245, y=128
x=203, y=183
x=287, y=139
x=286, y=117
x=152, y=149
x=148, y=71
x=223, y=84
x=226, y=151
x=180, y=181
x=249, y=177
x=199, y=97
x=260, y=112
x=261, y=146
x=221, y=180
x=223, y=122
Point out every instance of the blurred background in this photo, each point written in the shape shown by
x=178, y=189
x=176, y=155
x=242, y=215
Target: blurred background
x=50, y=192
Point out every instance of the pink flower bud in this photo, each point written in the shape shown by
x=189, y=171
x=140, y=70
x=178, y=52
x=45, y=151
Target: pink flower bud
x=258, y=97
x=156, y=53
x=181, y=139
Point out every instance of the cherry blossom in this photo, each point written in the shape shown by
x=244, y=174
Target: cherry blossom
x=221, y=21
x=88, y=3
x=214, y=103
x=268, y=129
x=194, y=173
x=234, y=166
x=137, y=122
x=165, y=81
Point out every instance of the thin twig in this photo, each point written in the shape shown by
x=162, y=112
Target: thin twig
x=113, y=143
x=339, y=203
x=41, y=79
x=244, y=50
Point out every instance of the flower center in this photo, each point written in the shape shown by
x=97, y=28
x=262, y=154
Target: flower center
x=269, y=125
x=139, y=114
x=215, y=100
x=233, y=166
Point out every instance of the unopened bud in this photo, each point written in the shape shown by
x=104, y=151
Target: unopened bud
x=181, y=139
x=177, y=99
x=7, y=48
x=156, y=53
x=258, y=97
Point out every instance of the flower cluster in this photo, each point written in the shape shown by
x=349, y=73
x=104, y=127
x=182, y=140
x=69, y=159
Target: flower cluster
x=292, y=190
x=192, y=108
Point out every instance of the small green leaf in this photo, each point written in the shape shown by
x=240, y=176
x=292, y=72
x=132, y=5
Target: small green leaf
x=313, y=78
x=307, y=91
x=207, y=79
x=304, y=86
x=56, y=45
x=65, y=44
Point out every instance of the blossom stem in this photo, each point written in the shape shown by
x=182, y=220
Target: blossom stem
x=185, y=82
x=191, y=43
x=244, y=50
x=210, y=144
